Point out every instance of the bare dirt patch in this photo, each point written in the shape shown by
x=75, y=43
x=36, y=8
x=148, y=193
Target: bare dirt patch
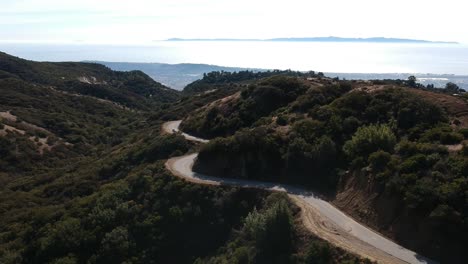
x=21, y=128
x=454, y=148
x=371, y=88
x=90, y=80
x=92, y=97
x=42, y=144
x=8, y=116
x=9, y=129
x=223, y=101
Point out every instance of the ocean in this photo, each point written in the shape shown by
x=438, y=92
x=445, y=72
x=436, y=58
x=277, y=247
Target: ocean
x=337, y=57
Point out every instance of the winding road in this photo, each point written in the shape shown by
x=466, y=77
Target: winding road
x=173, y=127
x=318, y=215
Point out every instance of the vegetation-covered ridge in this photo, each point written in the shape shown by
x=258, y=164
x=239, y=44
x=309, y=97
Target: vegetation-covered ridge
x=387, y=152
x=131, y=89
x=216, y=79
x=245, y=105
x=82, y=178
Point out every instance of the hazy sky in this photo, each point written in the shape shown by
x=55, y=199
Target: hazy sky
x=143, y=21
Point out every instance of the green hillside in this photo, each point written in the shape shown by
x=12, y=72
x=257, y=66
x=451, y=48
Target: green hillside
x=82, y=178
x=391, y=153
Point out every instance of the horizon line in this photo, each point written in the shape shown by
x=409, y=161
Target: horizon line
x=276, y=39
x=320, y=39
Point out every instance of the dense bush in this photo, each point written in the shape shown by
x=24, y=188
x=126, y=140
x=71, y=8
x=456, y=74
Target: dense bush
x=272, y=231
x=318, y=253
x=161, y=147
x=369, y=139
x=442, y=134
x=379, y=160
x=150, y=217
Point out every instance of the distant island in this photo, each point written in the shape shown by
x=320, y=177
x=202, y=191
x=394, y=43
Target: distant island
x=326, y=39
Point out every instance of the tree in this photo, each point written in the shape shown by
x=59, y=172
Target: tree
x=452, y=88
x=412, y=81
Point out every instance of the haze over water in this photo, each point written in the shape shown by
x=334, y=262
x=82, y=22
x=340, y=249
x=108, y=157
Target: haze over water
x=326, y=57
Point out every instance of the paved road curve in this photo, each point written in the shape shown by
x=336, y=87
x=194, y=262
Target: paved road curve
x=319, y=216
x=173, y=126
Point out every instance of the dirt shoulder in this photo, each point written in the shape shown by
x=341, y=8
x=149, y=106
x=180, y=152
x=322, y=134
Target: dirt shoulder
x=320, y=226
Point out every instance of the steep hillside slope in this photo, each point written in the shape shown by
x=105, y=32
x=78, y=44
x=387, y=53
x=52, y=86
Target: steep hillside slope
x=386, y=153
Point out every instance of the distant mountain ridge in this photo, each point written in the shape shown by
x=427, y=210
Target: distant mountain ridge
x=177, y=76
x=326, y=39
